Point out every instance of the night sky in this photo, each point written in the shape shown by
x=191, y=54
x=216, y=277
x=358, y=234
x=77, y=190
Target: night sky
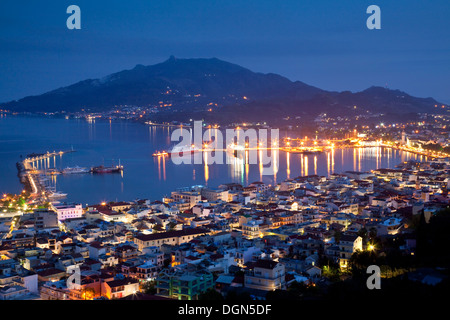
x=324, y=43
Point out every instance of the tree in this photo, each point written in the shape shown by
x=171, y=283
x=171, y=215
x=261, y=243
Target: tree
x=280, y=295
x=433, y=239
x=372, y=233
x=432, y=147
x=167, y=262
x=210, y=295
x=88, y=293
x=148, y=287
x=337, y=235
x=360, y=260
x=235, y=295
x=363, y=234
x=330, y=268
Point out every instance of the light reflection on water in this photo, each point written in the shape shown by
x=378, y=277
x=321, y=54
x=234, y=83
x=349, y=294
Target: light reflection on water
x=105, y=142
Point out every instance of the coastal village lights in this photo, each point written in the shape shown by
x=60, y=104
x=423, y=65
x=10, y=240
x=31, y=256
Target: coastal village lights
x=290, y=154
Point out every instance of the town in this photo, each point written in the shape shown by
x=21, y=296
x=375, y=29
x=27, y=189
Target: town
x=299, y=238
x=225, y=158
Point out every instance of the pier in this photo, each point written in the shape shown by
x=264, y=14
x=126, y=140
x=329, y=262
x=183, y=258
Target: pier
x=34, y=157
x=29, y=175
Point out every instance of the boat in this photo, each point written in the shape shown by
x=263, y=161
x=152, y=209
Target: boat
x=110, y=169
x=302, y=150
x=160, y=153
x=52, y=172
x=312, y=152
x=178, y=150
x=76, y=169
x=234, y=148
x=57, y=195
x=103, y=169
x=183, y=150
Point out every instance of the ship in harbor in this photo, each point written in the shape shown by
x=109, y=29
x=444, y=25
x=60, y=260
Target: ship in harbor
x=110, y=169
x=160, y=153
x=303, y=150
x=107, y=169
x=57, y=195
x=184, y=150
x=181, y=150
x=75, y=170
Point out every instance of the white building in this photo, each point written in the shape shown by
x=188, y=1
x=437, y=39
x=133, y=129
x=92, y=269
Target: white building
x=191, y=198
x=67, y=211
x=215, y=195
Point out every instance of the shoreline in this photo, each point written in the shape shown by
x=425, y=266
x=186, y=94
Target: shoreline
x=30, y=180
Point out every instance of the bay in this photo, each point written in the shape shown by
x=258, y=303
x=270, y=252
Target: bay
x=146, y=177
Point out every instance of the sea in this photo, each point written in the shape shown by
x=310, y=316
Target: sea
x=133, y=144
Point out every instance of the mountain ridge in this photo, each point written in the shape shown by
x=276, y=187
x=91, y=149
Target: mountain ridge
x=193, y=84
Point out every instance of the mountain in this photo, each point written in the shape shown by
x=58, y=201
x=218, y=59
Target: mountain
x=183, y=86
